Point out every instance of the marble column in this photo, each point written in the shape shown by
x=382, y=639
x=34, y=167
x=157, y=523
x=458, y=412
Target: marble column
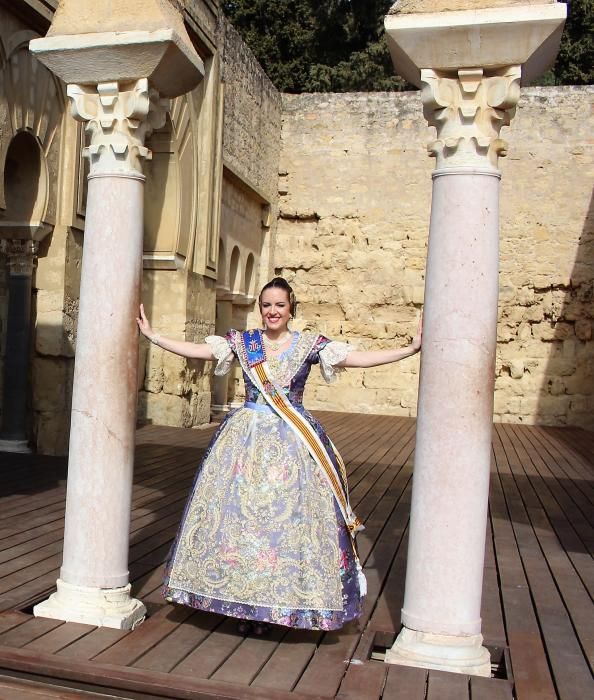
x=441, y=612
x=21, y=259
x=93, y=587
x=224, y=317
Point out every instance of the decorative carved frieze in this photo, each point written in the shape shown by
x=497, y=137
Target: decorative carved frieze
x=21, y=256
x=119, y=118
x=468, y=111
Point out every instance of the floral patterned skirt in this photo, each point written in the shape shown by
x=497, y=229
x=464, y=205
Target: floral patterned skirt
x=261, y=537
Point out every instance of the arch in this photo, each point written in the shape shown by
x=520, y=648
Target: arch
x=235, y=271
x=222, y=266
x=35, y=103
x=24, y=181
x=35, y=97
x=249, y=275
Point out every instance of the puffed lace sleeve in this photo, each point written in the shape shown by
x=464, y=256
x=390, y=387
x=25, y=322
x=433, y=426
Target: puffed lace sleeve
x=330, y=355
x=223, y=351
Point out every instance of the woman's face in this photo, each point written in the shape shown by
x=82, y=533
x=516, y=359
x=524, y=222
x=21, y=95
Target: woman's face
x=275, y=309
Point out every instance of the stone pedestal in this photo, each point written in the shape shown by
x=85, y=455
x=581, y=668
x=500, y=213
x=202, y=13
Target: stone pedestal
x=21, y=258
x=470, y=73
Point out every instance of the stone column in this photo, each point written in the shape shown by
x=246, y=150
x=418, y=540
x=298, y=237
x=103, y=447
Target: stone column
x=441, y=613
x=93, y=585
x=469, y=64
x=21, y=258
x=221, y=384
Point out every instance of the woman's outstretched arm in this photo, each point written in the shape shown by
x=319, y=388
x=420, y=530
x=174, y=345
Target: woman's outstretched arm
x=197, y=351
x=375, y=358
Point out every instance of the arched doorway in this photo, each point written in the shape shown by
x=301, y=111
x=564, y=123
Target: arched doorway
x=24, y=182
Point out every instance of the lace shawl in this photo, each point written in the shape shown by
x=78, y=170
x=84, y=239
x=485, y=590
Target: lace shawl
x=222, y=351
x=330, y=355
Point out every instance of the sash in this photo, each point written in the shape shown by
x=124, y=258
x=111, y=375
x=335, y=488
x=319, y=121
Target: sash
x=253, y=360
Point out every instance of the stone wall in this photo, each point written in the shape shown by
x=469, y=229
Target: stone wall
x=406, y=7
x=355, y=191
x=181, y=276
x=251, y=143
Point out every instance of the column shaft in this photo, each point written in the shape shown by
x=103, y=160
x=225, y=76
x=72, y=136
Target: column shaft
x=105, y=392
x=452, y=459
x=94, y=587
x=16, y=359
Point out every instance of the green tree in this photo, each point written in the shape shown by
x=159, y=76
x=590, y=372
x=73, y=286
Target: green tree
x=575, y=62
x=312, y=46
x=339, y=45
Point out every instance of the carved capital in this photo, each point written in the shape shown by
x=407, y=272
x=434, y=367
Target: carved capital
x=21, y=256
x=468, y=111
x=119, y=116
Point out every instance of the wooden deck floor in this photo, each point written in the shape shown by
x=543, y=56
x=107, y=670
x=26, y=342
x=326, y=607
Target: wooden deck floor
x=537, y=602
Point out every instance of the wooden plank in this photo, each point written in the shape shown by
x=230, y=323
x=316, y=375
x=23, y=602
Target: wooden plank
x=31, y=629
x=490, y=689
x=59, y=637
x=493, y=627
x=92, y=644
x=570, y=669
x=405, y=683
x=131, y=647
x=531, y=670
x=386, y=615
x=171, y=650
x=9, y=620
x=212, y=652
x=136, y=680
x=575, y=504
x=243, y=665
x=290, y=659
x=560, y=521
x=539, y=535
x=22, y=689
x=573, y=465
x=363, y=682
x=448, y=686
x=327, y=667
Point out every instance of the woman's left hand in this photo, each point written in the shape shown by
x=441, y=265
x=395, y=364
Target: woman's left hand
x=418, y=338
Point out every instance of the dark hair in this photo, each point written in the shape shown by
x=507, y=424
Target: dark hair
x=280, y=283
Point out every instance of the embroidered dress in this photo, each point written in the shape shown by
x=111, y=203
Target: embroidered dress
x=262, y=536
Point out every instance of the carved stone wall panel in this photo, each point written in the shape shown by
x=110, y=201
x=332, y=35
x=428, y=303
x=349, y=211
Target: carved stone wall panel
x=210, y=164
x=187, y=167
x=33, y=103
x=241, y=243
x=170, y=209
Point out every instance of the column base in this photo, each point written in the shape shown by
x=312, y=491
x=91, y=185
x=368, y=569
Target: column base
x=443, y=652
x=21, y=446
x=102, y=607
x=220, y=408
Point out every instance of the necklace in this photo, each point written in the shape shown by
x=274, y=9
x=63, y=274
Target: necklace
x=275, y=345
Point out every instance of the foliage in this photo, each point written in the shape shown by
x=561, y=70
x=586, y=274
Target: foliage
x=575, y=62
x=339, y=45
x=313, y=46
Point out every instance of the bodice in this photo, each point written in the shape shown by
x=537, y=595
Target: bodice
x=290, y=370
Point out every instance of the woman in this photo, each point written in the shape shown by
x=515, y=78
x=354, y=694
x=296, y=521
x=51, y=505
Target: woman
x=268, y=532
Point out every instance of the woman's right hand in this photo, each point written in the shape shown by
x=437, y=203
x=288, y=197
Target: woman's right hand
x=143, y=324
